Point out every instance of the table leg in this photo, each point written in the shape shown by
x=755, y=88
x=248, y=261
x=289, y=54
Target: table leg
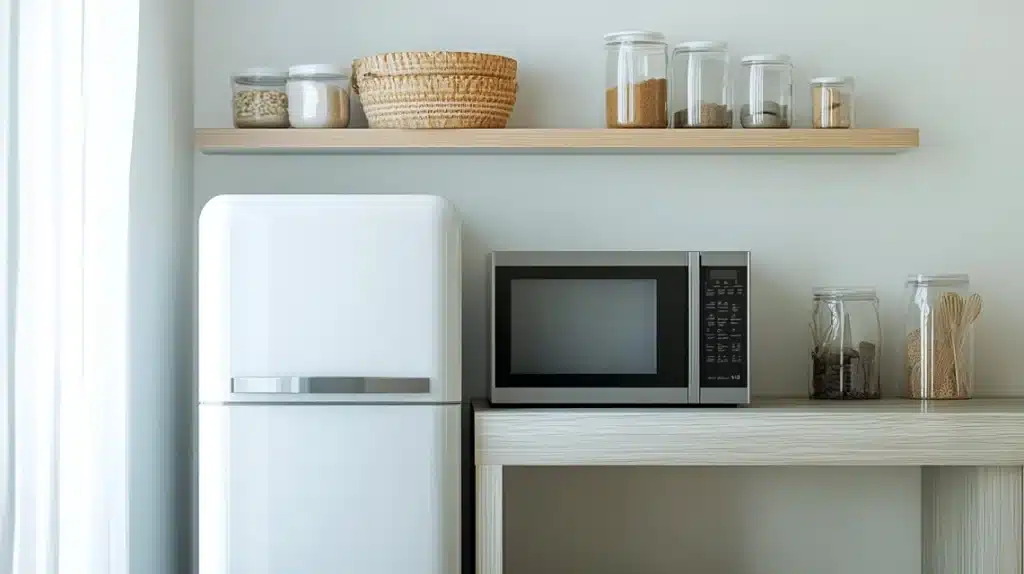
x=489, y=503
x=971, y=519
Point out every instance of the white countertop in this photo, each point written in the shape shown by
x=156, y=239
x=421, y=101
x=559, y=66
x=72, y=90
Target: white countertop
x=894, y=432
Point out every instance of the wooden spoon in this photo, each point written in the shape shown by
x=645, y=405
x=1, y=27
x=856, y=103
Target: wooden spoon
x=971, y=311
x=950, y=310
x=970, y=314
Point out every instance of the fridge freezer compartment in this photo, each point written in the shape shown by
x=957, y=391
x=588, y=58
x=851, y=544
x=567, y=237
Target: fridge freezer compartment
x=306, y=285
x=325, y=489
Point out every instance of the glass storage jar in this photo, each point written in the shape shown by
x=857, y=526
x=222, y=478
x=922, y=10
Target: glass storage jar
x=317, y=96
x=846, y=343
x=769, y=102
x=636, y=91
x=832, y=103
x=939, y=346
x=260, y=99
x=701, y=93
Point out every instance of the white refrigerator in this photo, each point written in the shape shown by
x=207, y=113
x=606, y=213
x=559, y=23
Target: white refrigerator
x=329, y=353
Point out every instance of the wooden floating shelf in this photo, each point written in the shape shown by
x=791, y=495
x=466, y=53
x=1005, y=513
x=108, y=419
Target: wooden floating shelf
x=770, y=433
x=579, y=141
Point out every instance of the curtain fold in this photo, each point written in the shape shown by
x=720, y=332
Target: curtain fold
x=71, y=76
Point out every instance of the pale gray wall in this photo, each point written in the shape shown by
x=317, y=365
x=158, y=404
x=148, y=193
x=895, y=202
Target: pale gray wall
x=946, y=67
x=160, y=289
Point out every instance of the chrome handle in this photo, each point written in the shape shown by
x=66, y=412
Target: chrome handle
x=330, y=385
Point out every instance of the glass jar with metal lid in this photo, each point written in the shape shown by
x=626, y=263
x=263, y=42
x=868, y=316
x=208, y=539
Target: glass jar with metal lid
x=259, y=98
x=701, y=90
x=846, y=344
x=832, y=103
x=318, y=96
x=769, y=94
x=939, y=345
x=636, y=90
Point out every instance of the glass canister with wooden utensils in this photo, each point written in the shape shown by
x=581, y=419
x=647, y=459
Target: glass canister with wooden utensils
x=939, y=343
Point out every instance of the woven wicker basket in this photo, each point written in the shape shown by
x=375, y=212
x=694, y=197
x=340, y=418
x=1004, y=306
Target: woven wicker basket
x=437, y=101
x=428, y=63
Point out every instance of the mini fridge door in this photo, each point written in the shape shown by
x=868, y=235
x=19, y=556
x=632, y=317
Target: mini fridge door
x=329, y=299
x=329, y=489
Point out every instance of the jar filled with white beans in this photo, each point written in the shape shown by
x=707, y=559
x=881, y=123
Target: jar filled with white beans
x=259, y=98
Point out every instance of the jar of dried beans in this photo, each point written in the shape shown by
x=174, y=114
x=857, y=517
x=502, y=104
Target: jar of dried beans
x=636, y=91
x=832, y=102
x=846, y=343
x=260, y=99
x=939, y=345
x=769, y=94
x=700, y=91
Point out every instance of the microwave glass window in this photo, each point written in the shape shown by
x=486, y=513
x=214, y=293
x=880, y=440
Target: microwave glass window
x=584, y=326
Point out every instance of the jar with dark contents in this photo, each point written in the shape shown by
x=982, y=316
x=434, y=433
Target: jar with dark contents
x=769, y=92
x=700, y=89
x=846, y=344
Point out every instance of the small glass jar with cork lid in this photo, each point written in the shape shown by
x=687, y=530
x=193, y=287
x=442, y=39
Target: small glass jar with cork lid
x=846, y=344
x=832, y=105
x=769, y=94
x=701, y=89
x=939, y=344
x=636, y=90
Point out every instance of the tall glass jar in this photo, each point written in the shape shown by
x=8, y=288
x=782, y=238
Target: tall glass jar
x=769, y=97
x=259, y=98
x=939, y=345
x=636, y=91
x=846, y=344
x=832, y=104
x=701, y=90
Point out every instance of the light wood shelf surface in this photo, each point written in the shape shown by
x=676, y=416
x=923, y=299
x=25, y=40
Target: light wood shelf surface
x=313, y=141
x=776, y=432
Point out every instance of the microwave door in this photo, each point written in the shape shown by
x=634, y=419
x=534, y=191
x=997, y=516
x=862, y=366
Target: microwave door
x=592, y=327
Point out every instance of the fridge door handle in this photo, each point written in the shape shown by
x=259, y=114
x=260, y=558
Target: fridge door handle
x=330, y=385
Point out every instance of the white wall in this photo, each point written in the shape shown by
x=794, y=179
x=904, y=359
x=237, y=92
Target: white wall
x=160, y=397
x=946, y=67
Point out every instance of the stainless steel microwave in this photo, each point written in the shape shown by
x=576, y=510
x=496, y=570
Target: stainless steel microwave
x=620, y=327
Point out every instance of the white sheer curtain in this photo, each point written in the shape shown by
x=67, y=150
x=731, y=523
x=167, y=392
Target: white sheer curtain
x=69, y=76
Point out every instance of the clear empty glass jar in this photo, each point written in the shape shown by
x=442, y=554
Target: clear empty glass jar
x=260, y=99
x=701, y=91
x=636, y=91
x=846, y=344
x=939, y=345
x=769, y=95
x=832, y=103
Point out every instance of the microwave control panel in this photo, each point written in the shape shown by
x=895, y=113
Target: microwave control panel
x=723, y=332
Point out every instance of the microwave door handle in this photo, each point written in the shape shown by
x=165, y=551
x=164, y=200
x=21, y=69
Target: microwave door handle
x=330, y=385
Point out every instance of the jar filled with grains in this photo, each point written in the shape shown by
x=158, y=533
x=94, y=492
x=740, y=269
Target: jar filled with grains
x=939, y=345
x=832, y=102
x=260, y=99
x=769, y=94
x=317, y=96
x=846, y=344
x=636, y=91
x=701, y=90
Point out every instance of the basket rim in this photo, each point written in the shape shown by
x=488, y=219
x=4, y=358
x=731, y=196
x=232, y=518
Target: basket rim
x=436, y=52
x=492, y=84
